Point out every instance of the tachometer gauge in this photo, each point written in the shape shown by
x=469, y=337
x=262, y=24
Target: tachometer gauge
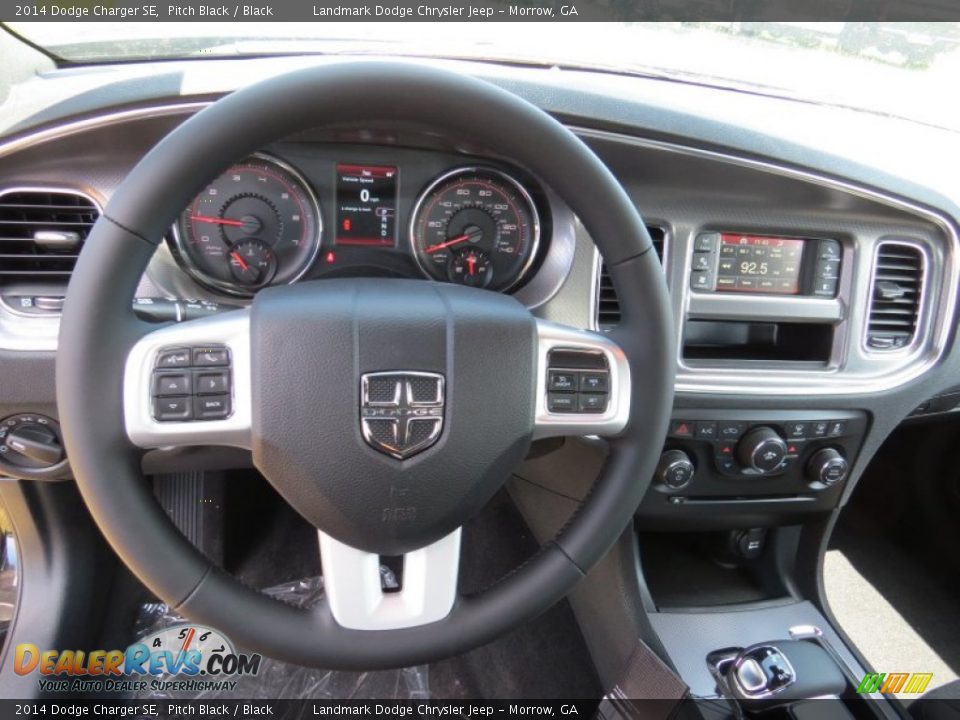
x=476, y=226
x=257, y=224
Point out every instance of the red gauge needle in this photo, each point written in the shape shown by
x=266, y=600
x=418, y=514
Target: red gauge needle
x=218, y=221
x=448, y=243
x=472, y=264
x=240, y=261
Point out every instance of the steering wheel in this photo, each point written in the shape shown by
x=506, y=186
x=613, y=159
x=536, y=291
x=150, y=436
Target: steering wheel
x=322, y=374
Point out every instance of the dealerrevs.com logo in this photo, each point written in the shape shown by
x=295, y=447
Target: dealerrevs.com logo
x=183, y=657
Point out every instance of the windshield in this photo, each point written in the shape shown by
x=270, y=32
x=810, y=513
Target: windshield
x=901, y=69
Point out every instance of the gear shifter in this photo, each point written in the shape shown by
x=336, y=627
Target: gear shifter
x=781, y=672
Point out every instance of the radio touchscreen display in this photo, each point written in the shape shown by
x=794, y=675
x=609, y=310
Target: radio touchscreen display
x=756, y=263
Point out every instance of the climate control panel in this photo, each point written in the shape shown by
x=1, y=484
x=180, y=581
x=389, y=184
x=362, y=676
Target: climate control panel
x=760, y=446
x=751, y=467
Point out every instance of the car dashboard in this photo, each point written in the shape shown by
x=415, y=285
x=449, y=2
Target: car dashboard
x=813, y=294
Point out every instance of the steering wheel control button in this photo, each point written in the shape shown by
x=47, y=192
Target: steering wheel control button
x=167, y=384
x=211, y=407
x=594, y=382
x=211, y=357
x=591, y=403
x=562, y=381
x=562, y=402
x=178, y=358
x=211, y=382
x=174, y=408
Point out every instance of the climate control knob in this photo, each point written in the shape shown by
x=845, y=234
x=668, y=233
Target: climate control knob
x=675, y=469
x=827, y=466
x=762, y=449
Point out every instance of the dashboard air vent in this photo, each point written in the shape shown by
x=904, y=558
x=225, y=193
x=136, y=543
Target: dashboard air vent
x=896, y=294
x=608, y=306
x=41, y=233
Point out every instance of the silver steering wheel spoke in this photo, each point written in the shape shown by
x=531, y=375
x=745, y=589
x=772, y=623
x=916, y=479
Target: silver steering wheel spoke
x=583, y=383
x=354, y=588
x=190, y=384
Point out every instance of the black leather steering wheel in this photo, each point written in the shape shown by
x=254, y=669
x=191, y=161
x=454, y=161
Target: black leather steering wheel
x=299, y=356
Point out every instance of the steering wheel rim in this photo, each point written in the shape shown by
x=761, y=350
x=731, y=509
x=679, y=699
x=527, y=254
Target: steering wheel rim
x=99, y=329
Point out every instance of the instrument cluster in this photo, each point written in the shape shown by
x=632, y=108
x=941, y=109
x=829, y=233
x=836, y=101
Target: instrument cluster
x=261, y=223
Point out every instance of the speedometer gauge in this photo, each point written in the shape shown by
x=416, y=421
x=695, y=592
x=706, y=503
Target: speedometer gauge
x=257, y=224
x=475, y=226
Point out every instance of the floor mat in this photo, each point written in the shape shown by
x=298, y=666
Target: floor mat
x=898, y=616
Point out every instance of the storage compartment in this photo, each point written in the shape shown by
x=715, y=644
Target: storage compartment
x=757, y=341
x=699, y=570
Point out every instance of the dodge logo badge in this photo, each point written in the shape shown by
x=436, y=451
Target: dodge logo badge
x=401, y=413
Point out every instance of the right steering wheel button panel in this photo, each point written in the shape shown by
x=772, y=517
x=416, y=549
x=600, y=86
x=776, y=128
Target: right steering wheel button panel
x=578, y=382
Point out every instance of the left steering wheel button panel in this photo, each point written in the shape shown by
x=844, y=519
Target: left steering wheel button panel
x=199, y=387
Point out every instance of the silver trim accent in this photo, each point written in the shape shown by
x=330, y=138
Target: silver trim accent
x=528, y=199
x=231, y=329
x=351, y=581
x=182, y=255
x=401, y=412
x=850, y=370
x=753, y=693
x=553, y=336
x=920, y=325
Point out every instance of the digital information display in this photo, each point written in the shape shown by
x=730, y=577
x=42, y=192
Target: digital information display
x=366, y=205
x=754, y=263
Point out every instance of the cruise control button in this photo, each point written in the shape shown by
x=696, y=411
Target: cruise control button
x=174, y=408
x=174, y=358
x=211, y=407
x=562, y=381
x=562, y=402
x=171, y=384
x=589, y=403
x=211, y=382
x=594, y=381
x=210, y=357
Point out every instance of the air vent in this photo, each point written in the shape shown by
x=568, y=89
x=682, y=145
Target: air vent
x=608, y=306
x=896, y=294
x=41, y=233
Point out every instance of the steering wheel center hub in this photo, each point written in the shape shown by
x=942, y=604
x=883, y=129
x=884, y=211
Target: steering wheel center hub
x=388, y=412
